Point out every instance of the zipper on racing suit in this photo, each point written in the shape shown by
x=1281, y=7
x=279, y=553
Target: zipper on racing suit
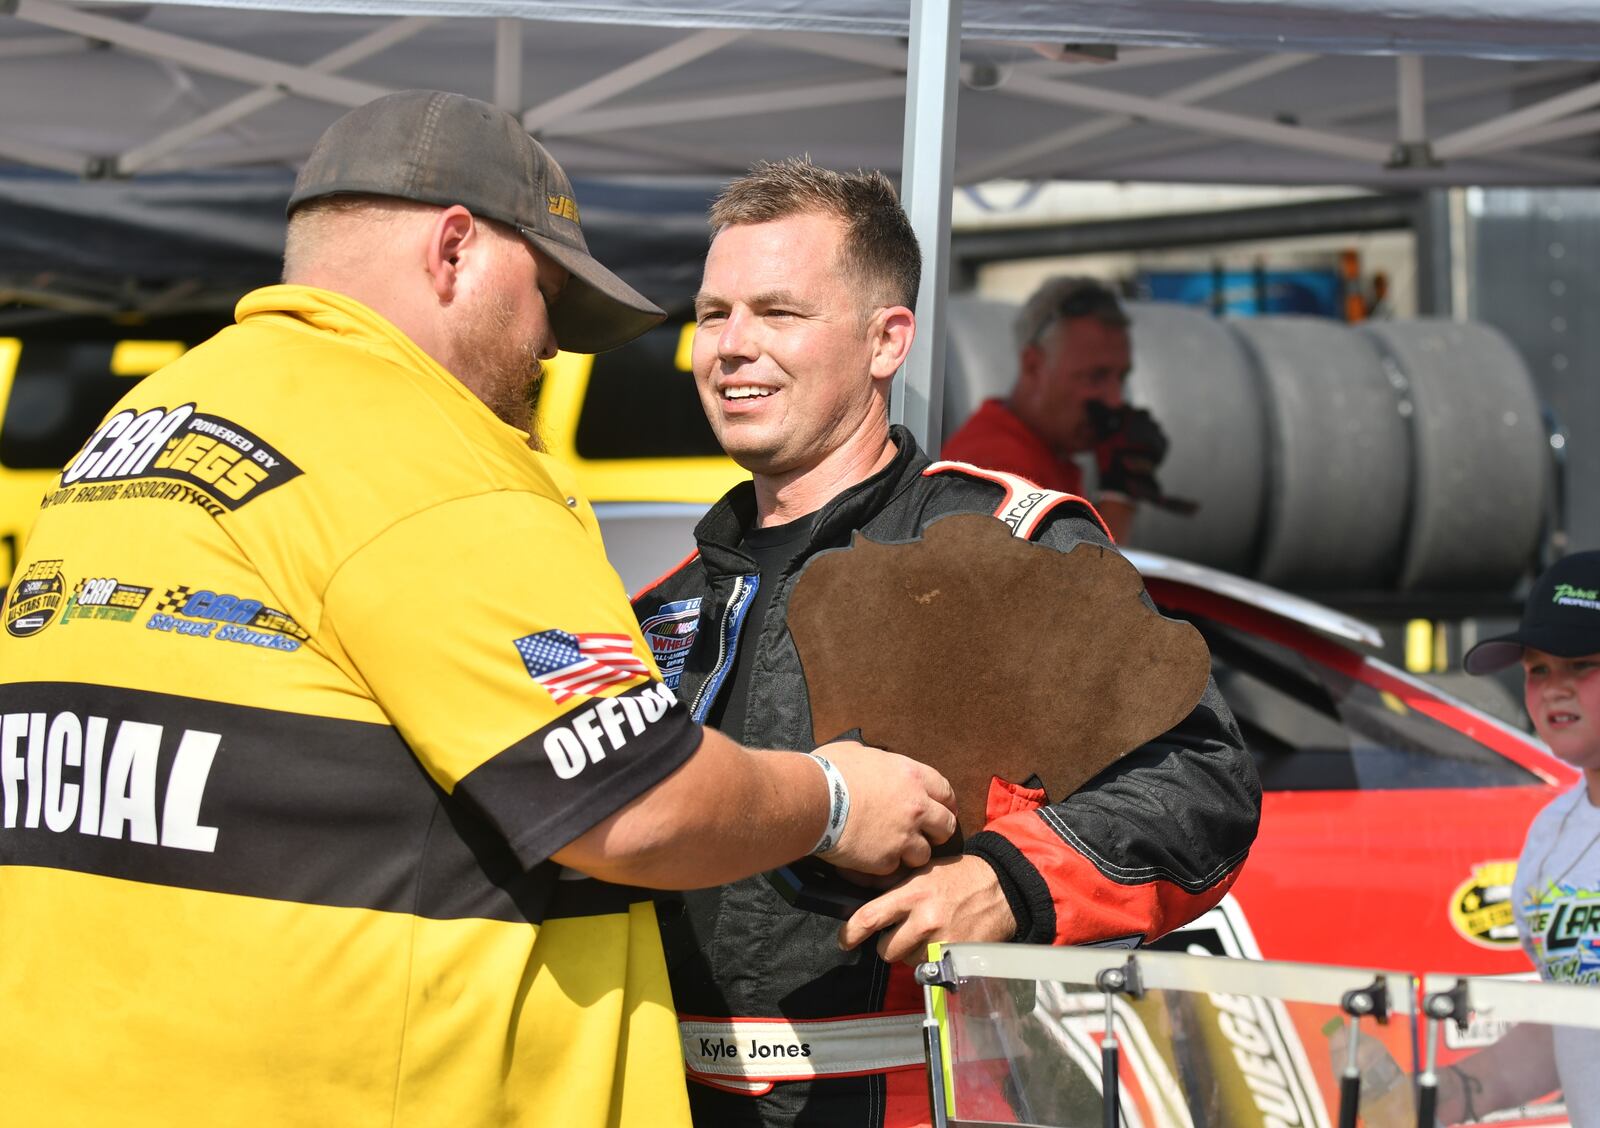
x=744, y=590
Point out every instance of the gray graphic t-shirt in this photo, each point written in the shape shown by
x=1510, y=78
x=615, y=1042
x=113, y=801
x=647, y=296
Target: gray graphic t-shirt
x=1558, y=917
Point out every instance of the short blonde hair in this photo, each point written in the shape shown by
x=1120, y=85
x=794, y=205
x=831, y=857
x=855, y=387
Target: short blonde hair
x=880, y=248
x=328, y=225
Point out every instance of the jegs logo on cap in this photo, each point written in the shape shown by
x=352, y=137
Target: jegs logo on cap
x=564, y=206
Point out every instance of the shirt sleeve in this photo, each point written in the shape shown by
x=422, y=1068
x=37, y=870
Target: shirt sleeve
x=1147, y=845
x=499, y=641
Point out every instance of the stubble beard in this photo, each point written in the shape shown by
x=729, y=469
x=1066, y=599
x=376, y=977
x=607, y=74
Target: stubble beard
x=504, y=371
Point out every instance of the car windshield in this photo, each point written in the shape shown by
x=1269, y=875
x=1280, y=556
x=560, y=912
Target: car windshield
x=1312, y=728
x=60, y=391
x=644, y=380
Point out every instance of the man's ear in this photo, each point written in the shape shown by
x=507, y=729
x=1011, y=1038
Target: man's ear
x=1028, y=362
x=452, y=231
x=892, y=331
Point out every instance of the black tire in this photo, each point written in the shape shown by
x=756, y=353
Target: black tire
x=1194, y=375
x=1339, y=459
x=1479, y=455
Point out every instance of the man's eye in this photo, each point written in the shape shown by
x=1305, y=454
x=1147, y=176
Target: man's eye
x=711, y=315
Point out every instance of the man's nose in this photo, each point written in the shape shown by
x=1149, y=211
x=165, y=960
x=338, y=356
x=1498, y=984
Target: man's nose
x=735, y=340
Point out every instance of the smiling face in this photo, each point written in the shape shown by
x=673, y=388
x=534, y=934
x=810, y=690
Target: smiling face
x=789, y=354
x=1562, y=696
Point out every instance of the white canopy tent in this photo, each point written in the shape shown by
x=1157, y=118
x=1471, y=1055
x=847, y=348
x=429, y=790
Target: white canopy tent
x=1366, y=92
x=1279, y=91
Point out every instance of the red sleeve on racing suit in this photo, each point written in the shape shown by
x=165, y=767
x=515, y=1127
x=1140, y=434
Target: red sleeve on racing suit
x=1146, y=846
x=1078, y=895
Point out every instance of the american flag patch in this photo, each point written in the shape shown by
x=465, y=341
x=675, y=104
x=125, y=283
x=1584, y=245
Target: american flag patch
x=567, y=664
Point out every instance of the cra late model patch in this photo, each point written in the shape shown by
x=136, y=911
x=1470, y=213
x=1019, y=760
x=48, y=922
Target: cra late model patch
x=1481, y=909
x=984, y=655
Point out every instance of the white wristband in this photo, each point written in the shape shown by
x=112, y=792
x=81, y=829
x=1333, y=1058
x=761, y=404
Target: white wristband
x=838, y=806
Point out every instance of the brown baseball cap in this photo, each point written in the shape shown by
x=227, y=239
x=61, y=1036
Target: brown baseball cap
x=440, y=148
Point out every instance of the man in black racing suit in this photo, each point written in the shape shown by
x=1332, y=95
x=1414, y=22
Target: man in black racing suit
x=786, y=1018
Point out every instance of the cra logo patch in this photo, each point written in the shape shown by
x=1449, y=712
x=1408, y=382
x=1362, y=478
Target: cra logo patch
x=671, y=632
x=104, y=598
x=35, y=598
x=201, y=613
x=1480, y=907
x=173, y=454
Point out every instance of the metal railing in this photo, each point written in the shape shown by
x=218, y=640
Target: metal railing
x=1094, y=1038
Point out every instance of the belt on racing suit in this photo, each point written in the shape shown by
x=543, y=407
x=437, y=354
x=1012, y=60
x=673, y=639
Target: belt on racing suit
x=748, y=1055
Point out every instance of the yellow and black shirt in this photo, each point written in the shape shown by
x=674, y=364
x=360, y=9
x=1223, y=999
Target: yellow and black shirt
x=309, y=666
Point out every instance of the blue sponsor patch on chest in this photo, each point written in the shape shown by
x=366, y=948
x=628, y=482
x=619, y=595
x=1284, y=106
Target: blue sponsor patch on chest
x=671, y=633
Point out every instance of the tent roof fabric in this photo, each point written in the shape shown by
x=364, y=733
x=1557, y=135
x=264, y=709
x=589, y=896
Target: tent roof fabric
x=106, y=107
x=1526, y=29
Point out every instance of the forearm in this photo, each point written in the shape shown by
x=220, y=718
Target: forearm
x=1518, y=1068
x=727, y=813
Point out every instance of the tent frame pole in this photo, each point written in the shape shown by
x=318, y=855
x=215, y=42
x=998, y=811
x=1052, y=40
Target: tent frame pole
x=926, y=181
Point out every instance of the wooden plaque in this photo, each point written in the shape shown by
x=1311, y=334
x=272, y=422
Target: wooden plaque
x=986, y=655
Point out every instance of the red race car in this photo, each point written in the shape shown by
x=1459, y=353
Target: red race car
x=1393, y=815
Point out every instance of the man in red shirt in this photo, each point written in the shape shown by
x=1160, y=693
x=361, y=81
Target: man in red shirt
x=1073, y=352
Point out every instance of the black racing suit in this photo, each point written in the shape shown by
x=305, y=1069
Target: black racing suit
x=1146, y=846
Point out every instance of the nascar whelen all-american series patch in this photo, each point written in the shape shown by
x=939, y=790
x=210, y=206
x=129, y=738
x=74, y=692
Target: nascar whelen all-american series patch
x=671, y=633
x=1480, y=907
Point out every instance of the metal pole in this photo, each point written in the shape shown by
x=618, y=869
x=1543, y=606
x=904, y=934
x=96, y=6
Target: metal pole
x=926, y=178
x=1110, y=1081
x=933, y=1047
x=1412, y=100
x=508, y=65
x=1114, y=981
x=1350, y=1080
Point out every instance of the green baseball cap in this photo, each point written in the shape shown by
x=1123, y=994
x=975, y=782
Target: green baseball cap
x=440, y=148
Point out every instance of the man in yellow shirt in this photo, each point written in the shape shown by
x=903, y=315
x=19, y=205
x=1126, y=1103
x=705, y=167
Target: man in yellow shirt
x=330, y=751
